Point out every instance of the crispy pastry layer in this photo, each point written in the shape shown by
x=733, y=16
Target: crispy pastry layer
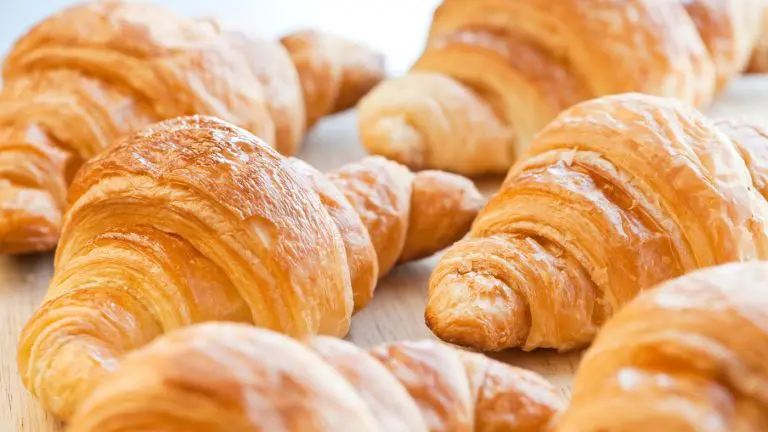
x=615, y=196
x=688, y=355
x=225, y=377
x=194, y=219
x=93, y=72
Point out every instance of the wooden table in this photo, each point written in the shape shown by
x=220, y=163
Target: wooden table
x=397, y=310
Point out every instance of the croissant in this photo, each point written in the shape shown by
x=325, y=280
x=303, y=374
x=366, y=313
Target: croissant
x=495, y=72
x=96, y=71
x=688, y=355
x=194, y=219
x=615, y=196
x=226, y=377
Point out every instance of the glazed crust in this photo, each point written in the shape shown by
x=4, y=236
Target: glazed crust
x=194, y=219
x=615, y=196
x=93, y=72
x=495, y=72
x=224, y=377
x=688, y=355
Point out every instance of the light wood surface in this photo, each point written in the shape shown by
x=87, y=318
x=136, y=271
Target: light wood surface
x=397, y=310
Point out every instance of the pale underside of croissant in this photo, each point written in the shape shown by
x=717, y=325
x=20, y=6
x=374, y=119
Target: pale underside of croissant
x=194, y=219
x=615, y=196
x=687, y=356
x=495, y=72
x=89, y=74
x=232, y=377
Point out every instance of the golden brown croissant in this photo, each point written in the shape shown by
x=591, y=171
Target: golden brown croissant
x=495, y=72
x=194, y=219
x=93, y=72
x=616, y=195
x=687, y=356
x=233, y=377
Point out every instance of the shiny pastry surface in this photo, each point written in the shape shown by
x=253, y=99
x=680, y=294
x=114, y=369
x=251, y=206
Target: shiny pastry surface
x=194, y=219
x=233, y=377
x=687, y=356
x=495, y=72
x=93, y=72
x=615, y=196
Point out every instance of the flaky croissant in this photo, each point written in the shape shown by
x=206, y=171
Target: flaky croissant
x=194, y=219
x=93, y=72
x=233, y=377
x=687, y=356
x=615, y=196
x=495, y=72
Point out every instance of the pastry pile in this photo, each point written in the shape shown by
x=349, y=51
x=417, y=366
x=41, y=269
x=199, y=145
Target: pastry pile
x=91, y=73
x=203, y=277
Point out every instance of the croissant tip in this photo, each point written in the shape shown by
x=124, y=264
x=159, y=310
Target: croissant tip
x=463, y=332
x=395, y=138
x=29, y=221
x=477, y=311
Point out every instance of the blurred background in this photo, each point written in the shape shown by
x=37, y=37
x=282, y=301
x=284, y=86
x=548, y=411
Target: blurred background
x=396, y=27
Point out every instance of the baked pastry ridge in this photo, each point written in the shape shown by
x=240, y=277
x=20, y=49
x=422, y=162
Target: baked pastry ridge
x=194, y=219
x=688, y=355
x=616, y=195
x=223, y=377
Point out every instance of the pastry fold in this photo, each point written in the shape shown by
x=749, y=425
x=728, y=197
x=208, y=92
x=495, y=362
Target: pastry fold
x=225, y=377
x=688, y=355
x=615, y=196
x=93, y=72
x=194, y=219
x=495, y=72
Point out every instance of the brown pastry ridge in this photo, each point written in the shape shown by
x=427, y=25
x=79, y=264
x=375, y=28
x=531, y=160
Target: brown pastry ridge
x=495, y=72
x=93, y=72
x=194, y=219
x=234, y=377
x=689, y=355
x=615, y=196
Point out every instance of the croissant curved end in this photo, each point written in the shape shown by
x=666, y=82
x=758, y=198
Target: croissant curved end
x=397, y=139
x=466, y=309
x=30, y=220
x=443, y=206
x=426, y=119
